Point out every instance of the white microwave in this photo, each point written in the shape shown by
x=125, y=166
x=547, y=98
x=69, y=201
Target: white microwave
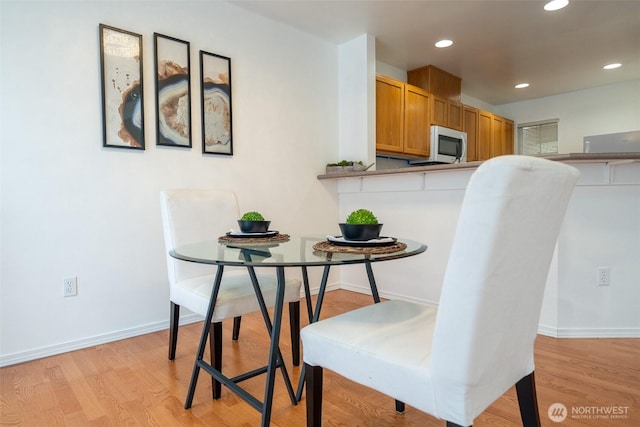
x=448, y=145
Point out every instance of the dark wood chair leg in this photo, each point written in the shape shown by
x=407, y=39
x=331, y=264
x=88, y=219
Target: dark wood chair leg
x=450, y=424
x=399, y=407
x=313, y=378
x=528, y=401
x=215, y=348
x=174, y=317
x=236, y=328
x=294, y=323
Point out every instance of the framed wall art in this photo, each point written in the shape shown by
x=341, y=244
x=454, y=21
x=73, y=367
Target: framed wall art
x=122, y=94
x=215, y=86
x=173, y=91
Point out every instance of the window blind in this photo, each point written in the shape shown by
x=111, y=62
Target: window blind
x=538, y=138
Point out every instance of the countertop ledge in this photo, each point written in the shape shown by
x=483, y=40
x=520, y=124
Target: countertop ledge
x=568, y=158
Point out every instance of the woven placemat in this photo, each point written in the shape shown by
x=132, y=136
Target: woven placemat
x=270, y=239
x=329, y=247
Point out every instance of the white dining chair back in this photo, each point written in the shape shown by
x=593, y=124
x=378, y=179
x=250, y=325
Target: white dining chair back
x=455, y=360
x=190, y=216
x=193, y=215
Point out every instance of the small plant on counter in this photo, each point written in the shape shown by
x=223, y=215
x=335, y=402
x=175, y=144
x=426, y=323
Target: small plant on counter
x=252, y=216
x=346, y=163
x=362, y=216
x=345, y=166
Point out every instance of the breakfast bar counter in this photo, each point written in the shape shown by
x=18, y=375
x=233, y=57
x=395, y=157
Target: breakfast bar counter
x=567, y=158
x=601, y=229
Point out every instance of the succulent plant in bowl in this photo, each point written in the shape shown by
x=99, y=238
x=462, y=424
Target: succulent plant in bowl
x=253, y=222
x=361, y=224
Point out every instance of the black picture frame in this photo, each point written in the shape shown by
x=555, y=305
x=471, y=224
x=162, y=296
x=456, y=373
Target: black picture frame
x=173, y=91
x=215, y=103
x=122, y=88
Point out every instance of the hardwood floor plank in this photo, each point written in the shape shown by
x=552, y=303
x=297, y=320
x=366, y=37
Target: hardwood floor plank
x=131, y=382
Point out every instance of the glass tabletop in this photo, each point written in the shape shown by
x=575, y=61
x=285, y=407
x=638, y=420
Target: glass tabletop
x=296, y=251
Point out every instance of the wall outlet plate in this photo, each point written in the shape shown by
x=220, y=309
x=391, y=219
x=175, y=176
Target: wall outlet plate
x=70, y=286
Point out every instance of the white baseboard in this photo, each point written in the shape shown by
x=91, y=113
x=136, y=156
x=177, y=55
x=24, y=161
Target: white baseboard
x=542, y=329
x=25, y=356
x=589, y=332
x=39, y=353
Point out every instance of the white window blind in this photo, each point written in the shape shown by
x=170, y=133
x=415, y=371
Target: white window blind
x=538, y=138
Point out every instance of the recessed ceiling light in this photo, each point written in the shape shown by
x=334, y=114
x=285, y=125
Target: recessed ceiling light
x=444, y=43
x=555, y=4
x=612, y=66
x=521, y=85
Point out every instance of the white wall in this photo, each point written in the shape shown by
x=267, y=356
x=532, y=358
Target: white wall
x=601, y=110
x=357, y=102
x=70, y=207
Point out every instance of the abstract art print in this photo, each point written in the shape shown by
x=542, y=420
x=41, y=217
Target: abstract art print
x=122, y=94
x=215, y=85
x=173, y=91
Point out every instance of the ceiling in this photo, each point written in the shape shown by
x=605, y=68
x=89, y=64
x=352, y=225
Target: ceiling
x=497, y=44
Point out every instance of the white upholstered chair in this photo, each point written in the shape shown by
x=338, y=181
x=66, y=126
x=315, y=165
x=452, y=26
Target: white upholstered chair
x=190, y=216
x=455, y=360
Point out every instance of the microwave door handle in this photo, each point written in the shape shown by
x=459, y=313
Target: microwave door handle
x=464, y=151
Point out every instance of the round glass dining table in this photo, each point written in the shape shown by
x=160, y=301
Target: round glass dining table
x=281, y=251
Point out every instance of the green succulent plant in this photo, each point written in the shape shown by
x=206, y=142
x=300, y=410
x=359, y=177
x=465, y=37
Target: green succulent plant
x=362, y=216
x=345, y=163
x=252, y=216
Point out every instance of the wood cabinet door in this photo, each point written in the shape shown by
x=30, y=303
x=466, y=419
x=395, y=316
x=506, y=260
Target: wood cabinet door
x=416, y=121
x=507, y=143
x=470, y=126
x=485, y=135
x=439, y=111
x=454, y=115
x=389, y=115
x=497, y=132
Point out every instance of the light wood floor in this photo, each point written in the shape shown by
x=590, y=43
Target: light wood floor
x=131, y=382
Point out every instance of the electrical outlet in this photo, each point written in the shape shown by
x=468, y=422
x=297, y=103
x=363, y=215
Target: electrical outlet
x=604, y=276
x=70, y=288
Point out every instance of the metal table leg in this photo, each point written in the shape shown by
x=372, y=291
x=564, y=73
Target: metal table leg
x=372, y=282
x=203, y=337
x=275, y=356
x=274, y=350
x=316, y=316
x=307, y=291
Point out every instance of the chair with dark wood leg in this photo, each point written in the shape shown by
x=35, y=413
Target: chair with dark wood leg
x=191, y=216
x=455, y=360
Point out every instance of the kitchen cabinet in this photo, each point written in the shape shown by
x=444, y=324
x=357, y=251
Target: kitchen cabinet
x=402, y=117
x=494, y=136
x=502, y=136
x=437, y=82
x=389, y=115
x=416, y=121
x=446, y=113
x=470, y=126
x=508, y=143
x=405, y=113
x=485, y=135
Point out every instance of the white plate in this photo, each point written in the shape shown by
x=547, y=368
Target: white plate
x=381, y=241
x=269, y=233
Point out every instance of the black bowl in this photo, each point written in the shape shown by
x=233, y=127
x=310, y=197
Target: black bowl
x=360, y=231
x=254, y=226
